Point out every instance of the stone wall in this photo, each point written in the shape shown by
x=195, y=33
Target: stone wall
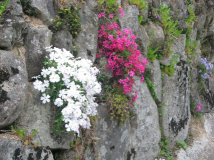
x=22, y=52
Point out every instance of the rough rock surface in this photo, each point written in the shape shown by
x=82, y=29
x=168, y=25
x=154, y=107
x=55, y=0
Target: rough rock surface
x=130, y=21
x=35, y=42
x=156, y=78
x=178, y=48
x=13, y=87
x=137, y=139
x=86, y=42
x=11, y=26
x=176, y=114
x=158, y=37
x=203, y=143
x=15, y=150
x=45, y=10
x=63, y=39
x=144, y=134
x=37, y=115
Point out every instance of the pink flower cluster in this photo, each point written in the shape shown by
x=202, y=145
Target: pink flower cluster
x=101, y=15
x=124, y=59
x=198, y=107
x=121, y=11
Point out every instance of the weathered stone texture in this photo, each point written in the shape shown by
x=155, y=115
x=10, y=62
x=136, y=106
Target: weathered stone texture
x=15, y=150
x=44, y=10
x=144, y=134
x=176, y=115
x=63, y=39
x=36, y=41
x=178, y=48
x=86, y=41
x=203, y=143
x=158, y=37
x=13, y=87
x=37, y=115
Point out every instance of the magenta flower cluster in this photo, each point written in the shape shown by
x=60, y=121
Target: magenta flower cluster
x=199, y=107
x=124, y=59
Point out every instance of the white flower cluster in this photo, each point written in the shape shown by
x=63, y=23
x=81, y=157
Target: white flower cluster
x=78, y=79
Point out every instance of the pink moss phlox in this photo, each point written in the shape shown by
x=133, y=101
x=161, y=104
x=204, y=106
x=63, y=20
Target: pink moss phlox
x=198, y=107
x=124, y=59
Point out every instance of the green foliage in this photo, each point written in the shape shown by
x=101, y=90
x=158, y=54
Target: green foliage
x=111, y=5
x=170, y=28
x=22, y=136
x=27, y=9
x=191, y=46
x=140, y=19
x=104, y=79
x=182, y=144
x=3, y=5
x=170, y=69
x=68, y=18
x=189, y=2
x=150, y=85
x=164, y=150
x=151, y=54
x=140, y=3
x=191, y=17
x=119, y=106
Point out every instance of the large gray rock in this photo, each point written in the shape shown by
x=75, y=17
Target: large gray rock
x=179, y=8
x=130, y=21
x=35, y=42
x=11, y=149
x=137, y=139
x=203, y=143
x=156, y=78
x=37, y=115
x=6, y=36
x=112, y=139
x=13, y=87
x=178, y=48
x=142, y=40
x=14, y=8
x=176, y=96
x=200, y=21
x=63, y=39
x=158, y=37
x=86, y=41
x=45, y=10
x=11, y=26
x=144, y=134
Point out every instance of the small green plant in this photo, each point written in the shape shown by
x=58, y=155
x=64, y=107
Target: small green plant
x=119, y=106
x=169, y=69
x=68, y=18
x=140, y=3
x=151, y=55
x=27, y=9
x=170, y=27
x=111, y=5
x=164, y=150
x=3, y=5
x=150, y=85
x=189, y=2
x=22, y=136
x=192, y=16
x=182, y=144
